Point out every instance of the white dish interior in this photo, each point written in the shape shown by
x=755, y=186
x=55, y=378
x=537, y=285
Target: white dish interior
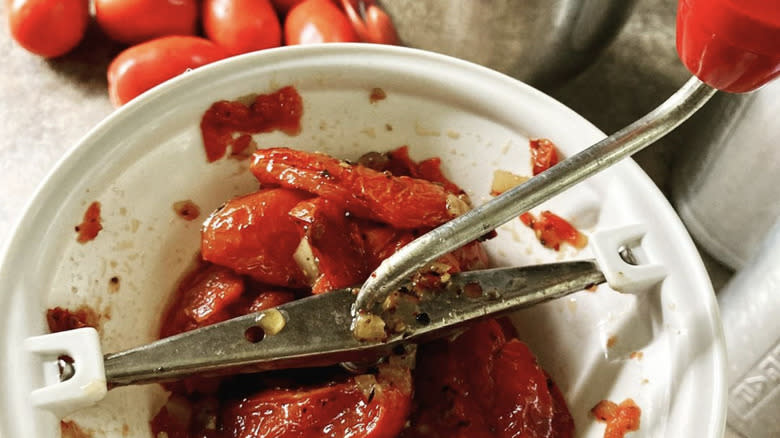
x=148, y=155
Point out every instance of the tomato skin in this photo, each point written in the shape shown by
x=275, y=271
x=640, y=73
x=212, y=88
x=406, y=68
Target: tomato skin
x=283, y=6
x=332, y=410
x=135, y=21
x=374, y=26
x=48, y=28
x=242, y=26
x=254, y=235
x=403, y=202
x=148, y=64
x=334, y=242
x=318, y=21
x=543, y=155
x=552, y=230
x=202, y=299
x=499, y=392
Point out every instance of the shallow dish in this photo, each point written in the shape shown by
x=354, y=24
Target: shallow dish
x=149, y=155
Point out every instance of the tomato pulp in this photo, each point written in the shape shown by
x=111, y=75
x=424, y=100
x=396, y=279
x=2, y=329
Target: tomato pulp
x=732, y=45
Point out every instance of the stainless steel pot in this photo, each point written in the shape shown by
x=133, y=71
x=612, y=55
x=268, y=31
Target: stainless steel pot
x=542, y=42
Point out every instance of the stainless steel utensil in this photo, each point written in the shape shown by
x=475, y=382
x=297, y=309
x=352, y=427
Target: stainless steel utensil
x=316, y=331
x=461, y=230
x=541, y=42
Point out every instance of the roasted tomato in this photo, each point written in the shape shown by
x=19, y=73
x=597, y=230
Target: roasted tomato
x=254, y=235
x=621, y=419
x=231, y=123
x=543, y=155
x=371, y=22
x=202, y=299
x=402, y=202
x=141, y=67
x=338, y=257
x=364, y=406
x=552, y=230
x=135, y=21
x=241, y=26
x=499, y=392
x=48, y=28
x=317, y=21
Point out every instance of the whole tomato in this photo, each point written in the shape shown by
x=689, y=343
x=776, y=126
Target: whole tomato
x=48, y=28
x=373, y=25
x=318, y=21
x=242, y=26
x=145, y=65
x=135, y=21
x=282, y=6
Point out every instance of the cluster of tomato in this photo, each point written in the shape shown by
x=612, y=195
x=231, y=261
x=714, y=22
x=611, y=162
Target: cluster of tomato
x=163, y=34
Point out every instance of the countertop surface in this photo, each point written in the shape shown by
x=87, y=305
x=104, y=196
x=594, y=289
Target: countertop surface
x=46, y=106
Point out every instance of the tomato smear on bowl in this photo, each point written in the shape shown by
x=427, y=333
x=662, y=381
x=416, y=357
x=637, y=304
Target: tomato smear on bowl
x=90, y=226
x=231, y=123
x=620, y=418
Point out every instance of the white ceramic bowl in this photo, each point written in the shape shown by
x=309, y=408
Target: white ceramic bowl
x=149, y=154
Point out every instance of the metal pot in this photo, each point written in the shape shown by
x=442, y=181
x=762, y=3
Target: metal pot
x=541, y=42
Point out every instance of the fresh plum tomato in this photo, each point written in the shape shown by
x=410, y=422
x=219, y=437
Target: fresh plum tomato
x=363, y=406
x=402, y=202
x=373, y=25
x=141, y=67
x=242, y=26
x=48, y=28
x=318, y=21
x=283, y=6
x=135, y=21
x=254, y=235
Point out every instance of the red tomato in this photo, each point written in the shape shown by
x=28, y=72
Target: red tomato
x=499, y=392
x=317, y=21
x=48, y=28
x=335, y=244
x=373, y=25
x=253, y=235
x=282, y=6
x=552, y=230
x=543, y=155
x=241, y=26
x=141, y=67
x=333, y=410
x=203, y=299
x=135, y=21
x=402, y=202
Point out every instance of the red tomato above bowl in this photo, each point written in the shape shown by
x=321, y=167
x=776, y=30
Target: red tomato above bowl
x=141, y=67
x=318, y=21
x=242, y=26
x=48, y=28
x=135, y=21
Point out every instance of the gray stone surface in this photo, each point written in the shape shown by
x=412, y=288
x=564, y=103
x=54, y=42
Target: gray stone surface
x=46, y=106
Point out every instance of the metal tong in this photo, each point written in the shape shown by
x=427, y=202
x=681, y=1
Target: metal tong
x=317, y=331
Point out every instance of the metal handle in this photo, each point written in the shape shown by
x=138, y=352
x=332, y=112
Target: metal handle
x=459, y=231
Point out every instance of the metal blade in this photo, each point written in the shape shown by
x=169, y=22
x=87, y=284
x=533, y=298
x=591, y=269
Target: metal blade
x=316, y=331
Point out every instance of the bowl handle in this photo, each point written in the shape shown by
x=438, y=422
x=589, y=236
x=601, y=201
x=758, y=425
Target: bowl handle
x=82, y=384
x=619, y=254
